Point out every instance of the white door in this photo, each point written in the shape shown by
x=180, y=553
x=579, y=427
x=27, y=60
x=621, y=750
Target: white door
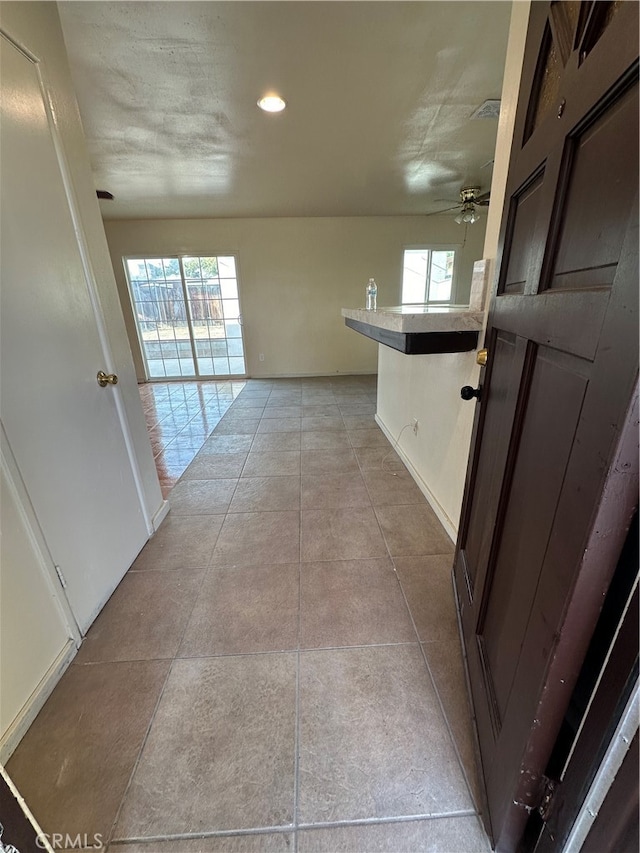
x=64, y=430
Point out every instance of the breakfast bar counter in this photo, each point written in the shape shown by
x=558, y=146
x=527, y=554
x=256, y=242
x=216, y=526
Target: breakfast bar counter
x=419, y=329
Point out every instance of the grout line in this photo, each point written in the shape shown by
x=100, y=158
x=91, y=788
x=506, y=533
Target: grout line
x=437, y=692
x=293, y=650
x=155, y=710
x=296, y=744
x=296, y=754
x=465, y=775
x=290, y=828
x=375, y=821
x=138, y=758
x=426, y=663
x=301, y=651
x=298, y=650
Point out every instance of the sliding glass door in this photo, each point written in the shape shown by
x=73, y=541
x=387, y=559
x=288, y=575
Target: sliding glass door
x=187, y=311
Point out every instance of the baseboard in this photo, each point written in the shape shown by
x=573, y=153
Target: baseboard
x=32, y=707
x=160, y=515
x=449, y=526
x=313, y=375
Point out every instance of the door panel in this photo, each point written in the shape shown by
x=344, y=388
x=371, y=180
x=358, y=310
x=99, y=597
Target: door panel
x=63, y=429
x=563, y=361
x=476, y=540
x=524, y=215
x=599, y=199
x=554, y=402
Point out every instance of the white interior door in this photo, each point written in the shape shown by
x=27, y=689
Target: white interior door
x=64, y=430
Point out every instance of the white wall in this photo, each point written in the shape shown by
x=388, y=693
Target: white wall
x=512, y=72
x=428, y=387
x=36, y=626
x=295, y=277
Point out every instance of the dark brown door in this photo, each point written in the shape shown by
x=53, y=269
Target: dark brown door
x=550, y=489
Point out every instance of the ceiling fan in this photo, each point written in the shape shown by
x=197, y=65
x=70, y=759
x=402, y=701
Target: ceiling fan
x=470, y=199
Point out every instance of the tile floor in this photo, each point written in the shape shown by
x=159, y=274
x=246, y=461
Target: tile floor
x=280, y=668
x=180, y=416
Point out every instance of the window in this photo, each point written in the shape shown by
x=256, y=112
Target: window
x=187, y=312
x=427, y=276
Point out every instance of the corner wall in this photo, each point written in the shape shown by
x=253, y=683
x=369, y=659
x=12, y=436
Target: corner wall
x=295, y=276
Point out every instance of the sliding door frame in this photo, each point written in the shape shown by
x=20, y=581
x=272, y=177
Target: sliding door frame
x=197, y=375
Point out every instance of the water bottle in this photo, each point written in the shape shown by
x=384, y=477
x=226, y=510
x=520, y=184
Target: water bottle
x=371, y=291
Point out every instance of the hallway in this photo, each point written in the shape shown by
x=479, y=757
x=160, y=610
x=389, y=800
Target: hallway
x=279, y=670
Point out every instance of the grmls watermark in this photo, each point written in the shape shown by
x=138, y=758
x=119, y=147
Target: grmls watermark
x=66, y=841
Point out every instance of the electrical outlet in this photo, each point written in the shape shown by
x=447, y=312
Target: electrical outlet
x=261, y=356
x=415, y=426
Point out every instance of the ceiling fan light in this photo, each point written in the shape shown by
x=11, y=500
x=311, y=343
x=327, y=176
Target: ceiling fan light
x=468, y=215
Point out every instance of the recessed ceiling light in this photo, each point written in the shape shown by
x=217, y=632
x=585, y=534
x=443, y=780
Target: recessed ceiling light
x=272, y=104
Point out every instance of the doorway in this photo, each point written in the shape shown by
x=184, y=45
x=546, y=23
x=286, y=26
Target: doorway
x=187, y=312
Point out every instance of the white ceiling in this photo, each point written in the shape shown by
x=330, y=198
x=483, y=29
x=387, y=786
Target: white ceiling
x=379, y=101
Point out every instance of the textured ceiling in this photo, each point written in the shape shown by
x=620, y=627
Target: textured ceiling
x=379, y=97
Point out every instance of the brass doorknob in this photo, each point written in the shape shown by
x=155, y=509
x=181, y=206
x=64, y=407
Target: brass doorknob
x=105, y=379
x=481, y=357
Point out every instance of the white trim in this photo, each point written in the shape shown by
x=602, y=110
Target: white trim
x=160, y=515
x=611, y=763
x=449, y=526
x=32, y=707
x=322, y=375
x=599, y=679
x=38, y=543
x=41, y=838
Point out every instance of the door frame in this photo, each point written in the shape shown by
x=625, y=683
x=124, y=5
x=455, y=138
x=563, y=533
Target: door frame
x=601, y=742
x=138, y=342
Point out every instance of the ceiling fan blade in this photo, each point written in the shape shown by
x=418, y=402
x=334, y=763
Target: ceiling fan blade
x=446, y=210
x=482, y=199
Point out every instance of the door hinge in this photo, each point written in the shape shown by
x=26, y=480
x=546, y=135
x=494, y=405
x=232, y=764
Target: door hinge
x=548, y=793
x=63, y=582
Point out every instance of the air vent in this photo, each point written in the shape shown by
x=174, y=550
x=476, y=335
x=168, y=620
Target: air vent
x=489, y=109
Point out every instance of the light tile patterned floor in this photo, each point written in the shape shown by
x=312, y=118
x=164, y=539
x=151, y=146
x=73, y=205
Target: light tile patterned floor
x=180, y=416
x=280, y=668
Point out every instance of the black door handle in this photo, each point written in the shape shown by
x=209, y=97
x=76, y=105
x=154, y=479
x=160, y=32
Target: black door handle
x=468, y=393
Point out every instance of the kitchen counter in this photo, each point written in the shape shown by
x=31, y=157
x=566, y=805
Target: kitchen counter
x=419, y=329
